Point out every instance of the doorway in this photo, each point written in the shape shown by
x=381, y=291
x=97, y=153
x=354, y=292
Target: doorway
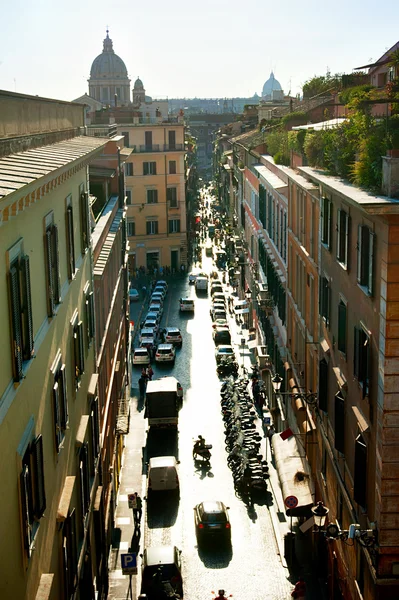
x=152, y=260
x=174, y=260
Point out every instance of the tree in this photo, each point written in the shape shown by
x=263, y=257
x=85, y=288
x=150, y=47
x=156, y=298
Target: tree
x=320, y=84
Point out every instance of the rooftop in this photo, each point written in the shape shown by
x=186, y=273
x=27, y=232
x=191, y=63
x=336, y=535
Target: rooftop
x=23, y=168
x=322, y=125
x=351, y=192
x=273, y=180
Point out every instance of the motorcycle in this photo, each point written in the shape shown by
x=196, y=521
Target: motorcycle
x=202, y=451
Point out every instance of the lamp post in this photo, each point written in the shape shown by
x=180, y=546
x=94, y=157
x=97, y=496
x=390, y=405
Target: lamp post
x=365, y=537
x=243, y=348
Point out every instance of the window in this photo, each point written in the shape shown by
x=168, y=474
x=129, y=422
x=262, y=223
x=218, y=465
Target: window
x=342, y=237
x=311, y=304
x=84, y=476
x=21, y=310
x=126, y=136
x=78, y=349
x=262, y=205
x=361, y=358
x=171, y=196
x=324, y=463
x=33, y=492
x=152, y=196
x=340, y=507
x=148, y=140
x=60, y=402
x=84, y=220
x=326, y=219
x=172, y=140
x=52, y=267
x=70, y=239
x=342, y=326
x=174, y=226
x=70, y=554
x=150, y=168
x=323, y=385
x=365, y=258
x=339, y=423
x=131, y=228
x=129, y=169
x=152, y=227
x=285, y=238
x=128, y=197
x=360, y=475
x=172, y=167
x=95, y=434
x=89, y=310
x=325, y=298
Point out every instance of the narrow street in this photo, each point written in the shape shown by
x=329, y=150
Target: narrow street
x=252, y=568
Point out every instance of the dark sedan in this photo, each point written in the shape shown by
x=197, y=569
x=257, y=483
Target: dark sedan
x=212, y=521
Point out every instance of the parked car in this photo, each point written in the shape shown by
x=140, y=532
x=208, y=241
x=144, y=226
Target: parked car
x=219, y=297
x=192, y=277
x=156, y=298
x=163, y=284
x=220, y=323
x=212, y=521
x=162, y=474
x=134, y=296
x=224, y=350
x=154, y=316
x=159, y=290
x=141, y=356
x=216, y=288
x=151, y=324
x=156, y=308
x=186, y=305
x=166, y=560
x=148, y=334
x=165, y=353
x=172, y=335
x=201, y=284
x=221, y=335
x=218, y=314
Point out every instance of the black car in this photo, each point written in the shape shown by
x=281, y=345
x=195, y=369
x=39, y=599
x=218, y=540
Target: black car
x=212, y=521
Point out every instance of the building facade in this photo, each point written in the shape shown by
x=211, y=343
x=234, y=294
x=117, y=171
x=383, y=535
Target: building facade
x=155, y=189
x=56, y=437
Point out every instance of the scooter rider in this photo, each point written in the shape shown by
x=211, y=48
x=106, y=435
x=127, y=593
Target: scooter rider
x=221, y=595
x=199, y=445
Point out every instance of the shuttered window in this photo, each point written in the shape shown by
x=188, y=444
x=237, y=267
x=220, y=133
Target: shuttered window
x=360, y=475
x=95, y=433
x=152, y=227
x=325, y=299
x=21, y=314
x=339, y=423
x=78, y=348
x=70, y=555
x=70, y=242
x=60, y=407
x=32, y=491
x=52, y=269
x=342, y=237
x=365, y=258
x=89, y=310
x=362, y=359
x=326, y=221
x=171, y=196
x=84, y=221
x=323, y=385
x=84, y=478
x=342, y=326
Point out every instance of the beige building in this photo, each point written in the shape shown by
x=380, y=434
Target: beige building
x=53, y=408
x=155, y=189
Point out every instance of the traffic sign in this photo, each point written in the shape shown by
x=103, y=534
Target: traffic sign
x=267, y=420
x=291, y=502
x=129, y=563
x=132, y=500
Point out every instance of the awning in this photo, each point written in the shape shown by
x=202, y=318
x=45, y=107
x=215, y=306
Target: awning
x=293, y=472
x=101, y=172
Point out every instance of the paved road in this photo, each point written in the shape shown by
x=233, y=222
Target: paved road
x=252, y=569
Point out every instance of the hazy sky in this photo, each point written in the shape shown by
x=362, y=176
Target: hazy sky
x=207, y=48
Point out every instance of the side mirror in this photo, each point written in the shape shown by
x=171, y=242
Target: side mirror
x=178, y=462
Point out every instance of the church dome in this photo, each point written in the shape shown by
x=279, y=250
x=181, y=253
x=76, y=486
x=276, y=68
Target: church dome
x=138, y=84
x=108, y=64
x=271, y=85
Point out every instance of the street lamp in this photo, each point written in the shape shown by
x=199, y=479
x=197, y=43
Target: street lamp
x=309, y=397
x=277, y=381
x=365, y=537
x=320, y=513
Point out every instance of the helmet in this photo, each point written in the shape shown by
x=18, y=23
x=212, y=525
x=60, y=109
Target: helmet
x=200, y=437
x=221, y=592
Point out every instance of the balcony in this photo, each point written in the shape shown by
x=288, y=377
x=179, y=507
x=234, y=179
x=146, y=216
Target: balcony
x=142, y=148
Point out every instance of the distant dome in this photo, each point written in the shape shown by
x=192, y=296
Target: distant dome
x=271, y=85
x=108, y=64
x=138, y=84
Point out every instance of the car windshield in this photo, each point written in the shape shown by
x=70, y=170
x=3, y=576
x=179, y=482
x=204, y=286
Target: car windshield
x=168, y=572
x=225, y=350
x=141, y=352
x=173, y=333
x=165, y=351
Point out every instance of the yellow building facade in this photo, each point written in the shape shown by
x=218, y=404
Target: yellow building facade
x=155, y=188
x=49, y=418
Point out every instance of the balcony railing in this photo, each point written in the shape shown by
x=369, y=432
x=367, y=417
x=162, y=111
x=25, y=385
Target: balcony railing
x=159, y=148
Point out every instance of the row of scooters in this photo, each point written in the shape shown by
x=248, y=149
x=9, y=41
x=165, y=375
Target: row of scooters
x=250, y=471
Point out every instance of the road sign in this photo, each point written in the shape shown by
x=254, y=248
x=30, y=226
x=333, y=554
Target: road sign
x=267, y=420
x=129, y=563
x=291, y=502
x=132, y=500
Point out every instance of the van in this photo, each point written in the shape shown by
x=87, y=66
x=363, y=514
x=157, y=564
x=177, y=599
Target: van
x=186, y=305
x=162, y=474
x=167, y=561
x=201, y=284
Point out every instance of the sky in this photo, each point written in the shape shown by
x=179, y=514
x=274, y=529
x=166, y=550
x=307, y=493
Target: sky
x=202, y=48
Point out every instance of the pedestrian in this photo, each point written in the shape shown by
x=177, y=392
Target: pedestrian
x=137, y=509
x=299, y=591
x=152, y=350
x=144, y=374
x=160, y=271
x=150, y=372
x=142, y=383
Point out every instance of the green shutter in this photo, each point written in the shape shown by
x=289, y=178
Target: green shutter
x=342, y=327
x=359, y=254
x=71, y=244
x=57, y=417
x=56, y=264
x=26, y=504
x=27, y=319
x=339, y=423
x=63, y=398
x=49, y=272
x=39, y=505
x=16, y=322
x=370, y=274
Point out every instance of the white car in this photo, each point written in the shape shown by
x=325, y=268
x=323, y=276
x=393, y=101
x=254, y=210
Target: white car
x=186, y=305
x=141, y=356
x=147, y=334
x=222, y=351
x=133, y=295
x=156, y=308
x=151, y=324
x=201, y=284
x=153, y=316
x=163, y=284
x=172, y=335
x=160, y=290
x=165, y=353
